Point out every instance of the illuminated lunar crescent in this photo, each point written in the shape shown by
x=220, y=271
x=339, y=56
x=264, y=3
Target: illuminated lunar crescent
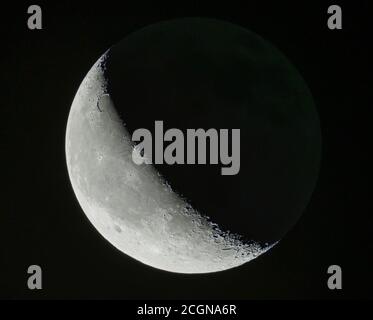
x=131, y=205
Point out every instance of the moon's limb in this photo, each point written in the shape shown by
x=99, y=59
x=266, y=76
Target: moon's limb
x=131, y=205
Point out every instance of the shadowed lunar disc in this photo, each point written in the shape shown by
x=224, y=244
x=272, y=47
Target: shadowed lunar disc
x=140, y=209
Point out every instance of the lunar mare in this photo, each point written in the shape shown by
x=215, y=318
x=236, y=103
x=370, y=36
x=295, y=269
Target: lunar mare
x=131, y=205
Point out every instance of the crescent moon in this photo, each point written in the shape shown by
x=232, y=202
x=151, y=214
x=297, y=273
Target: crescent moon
x=132, y=206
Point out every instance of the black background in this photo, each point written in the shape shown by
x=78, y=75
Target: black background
x=42, y=223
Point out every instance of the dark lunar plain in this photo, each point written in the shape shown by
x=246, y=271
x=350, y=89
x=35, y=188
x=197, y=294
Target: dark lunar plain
x=42, y=222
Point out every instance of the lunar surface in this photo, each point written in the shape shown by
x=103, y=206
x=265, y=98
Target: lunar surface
x=193, y=73
x=131, y=205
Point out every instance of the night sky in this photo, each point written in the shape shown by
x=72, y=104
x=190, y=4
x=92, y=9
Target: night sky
x=42, y=222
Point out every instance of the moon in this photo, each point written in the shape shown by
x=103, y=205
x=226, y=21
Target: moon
x=135, y=207
x=131, y=205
